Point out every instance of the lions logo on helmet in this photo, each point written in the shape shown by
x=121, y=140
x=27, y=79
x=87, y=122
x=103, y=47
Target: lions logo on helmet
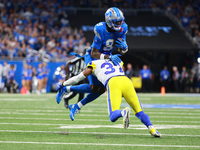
x=114, y=18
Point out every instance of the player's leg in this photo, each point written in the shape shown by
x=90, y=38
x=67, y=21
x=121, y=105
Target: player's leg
x=75, y=107
x=114, y=98
x=67, y=97
x=133, y=100
x=82, y=88
x=80, y=97
x=97, y=89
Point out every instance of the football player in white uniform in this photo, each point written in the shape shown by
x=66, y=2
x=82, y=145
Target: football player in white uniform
x=118, y=86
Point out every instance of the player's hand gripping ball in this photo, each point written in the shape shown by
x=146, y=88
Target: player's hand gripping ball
x=122, y=47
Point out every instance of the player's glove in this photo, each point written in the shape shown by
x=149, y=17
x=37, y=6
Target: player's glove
x=115, y=59
x=120, y=44
x=59, y=86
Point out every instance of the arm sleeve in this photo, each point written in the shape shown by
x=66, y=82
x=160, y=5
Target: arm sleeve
x=74, y=80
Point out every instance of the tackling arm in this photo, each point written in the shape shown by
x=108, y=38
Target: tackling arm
x=78, y=78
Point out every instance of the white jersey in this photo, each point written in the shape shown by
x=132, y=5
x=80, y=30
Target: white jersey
x=105, y=69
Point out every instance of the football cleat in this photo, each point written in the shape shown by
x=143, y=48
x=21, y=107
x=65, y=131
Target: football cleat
x=73, y=110
x=60, y=94
x=126, y=116
x=154, y=132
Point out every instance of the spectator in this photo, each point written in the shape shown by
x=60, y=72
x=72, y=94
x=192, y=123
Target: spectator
x=29, y=78
x=39, y=78
x=25, y=76
x=136, y=71
x=196, y=38
x=195, y=77
x=12, y=85
x=129, y=71
x=6, y=68
x=34, y=80
x=62, y=74
x=45, y=77
x=41, y=25
x=146, y=76
x=183, y=79
x=176, y=77
x=164, y=78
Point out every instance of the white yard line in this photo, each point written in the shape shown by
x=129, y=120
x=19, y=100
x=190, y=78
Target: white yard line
x=98, y=144
x=96, y=109
x=23, y=100
x=106, y=133
x=91, y=111
x=92, y=120
x=89, y=115
x=86, y=126
x=64, y=119
x=50, y=114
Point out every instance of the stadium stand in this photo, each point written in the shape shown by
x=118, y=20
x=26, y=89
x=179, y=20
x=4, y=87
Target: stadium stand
x=38, y=30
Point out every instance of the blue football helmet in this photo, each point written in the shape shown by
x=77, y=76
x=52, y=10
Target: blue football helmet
x=114, y=18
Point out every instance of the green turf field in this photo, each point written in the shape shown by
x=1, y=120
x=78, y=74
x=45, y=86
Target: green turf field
x=38, y=122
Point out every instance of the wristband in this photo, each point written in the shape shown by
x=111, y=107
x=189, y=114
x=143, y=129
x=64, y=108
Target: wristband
x=102, y=56
x=124, y=51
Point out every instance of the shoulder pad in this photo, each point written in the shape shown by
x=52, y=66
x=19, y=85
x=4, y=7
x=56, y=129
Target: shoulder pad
x=98, y=28
x=91, y=65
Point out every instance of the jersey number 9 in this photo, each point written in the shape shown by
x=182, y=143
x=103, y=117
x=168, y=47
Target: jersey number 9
x=109, y=45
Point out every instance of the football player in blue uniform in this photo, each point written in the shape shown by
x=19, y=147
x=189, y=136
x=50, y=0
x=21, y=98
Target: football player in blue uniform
x=108, y=35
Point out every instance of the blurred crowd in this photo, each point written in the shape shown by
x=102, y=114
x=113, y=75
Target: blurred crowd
x=7, y=78
x=38, y=31
x=33, y=79
x=185, y=80
x=187, y=12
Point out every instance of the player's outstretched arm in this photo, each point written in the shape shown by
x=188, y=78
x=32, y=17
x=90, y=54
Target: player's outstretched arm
x=78, y=78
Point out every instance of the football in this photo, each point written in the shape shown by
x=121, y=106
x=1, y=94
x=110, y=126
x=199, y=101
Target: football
x=119, y=49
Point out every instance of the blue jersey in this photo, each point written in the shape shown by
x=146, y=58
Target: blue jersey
x=25, y=74
x=11, y=74
x=164, y=74
x=104, y=40
x=39, y=73
x=30, y=73
x=45, y=71
x=145, y=73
